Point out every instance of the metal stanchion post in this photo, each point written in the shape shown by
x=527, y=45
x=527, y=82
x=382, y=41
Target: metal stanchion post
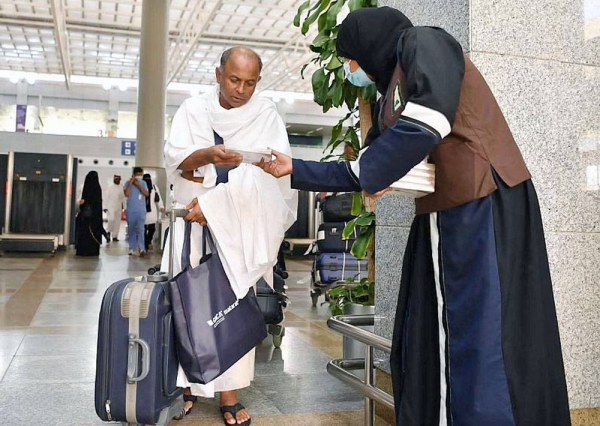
x=369, y=403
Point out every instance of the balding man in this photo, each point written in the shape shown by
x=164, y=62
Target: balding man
x=200, y=167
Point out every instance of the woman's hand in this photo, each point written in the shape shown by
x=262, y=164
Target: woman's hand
x=377, y=194
x=279, y=167
x=195, y=214
x=81, y=202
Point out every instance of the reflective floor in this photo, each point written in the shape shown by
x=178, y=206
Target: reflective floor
x=49, y=307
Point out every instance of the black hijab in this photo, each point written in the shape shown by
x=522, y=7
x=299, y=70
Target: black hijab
x=92, y=193
x=370, y=37
x=148, y=179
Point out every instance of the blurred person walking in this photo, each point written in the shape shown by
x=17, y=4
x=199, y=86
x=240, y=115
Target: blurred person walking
x=115, y=198
x=136, y=192
x=154, y=204
x=88, y=223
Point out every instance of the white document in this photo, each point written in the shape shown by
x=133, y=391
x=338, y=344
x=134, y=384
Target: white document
x=252, y=155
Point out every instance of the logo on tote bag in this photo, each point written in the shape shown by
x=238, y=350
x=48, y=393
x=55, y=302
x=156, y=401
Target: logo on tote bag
x=220, y=316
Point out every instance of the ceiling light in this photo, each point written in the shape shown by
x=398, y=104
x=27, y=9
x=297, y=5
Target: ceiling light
x=30, y=80
x=123, y=88
x=289, y=100
x=14, y=79
x=107, y=86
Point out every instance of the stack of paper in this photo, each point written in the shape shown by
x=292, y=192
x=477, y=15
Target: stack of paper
x=418, y=182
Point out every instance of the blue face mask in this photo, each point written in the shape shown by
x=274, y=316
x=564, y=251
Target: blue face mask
x=357, y=78
x=140, y=178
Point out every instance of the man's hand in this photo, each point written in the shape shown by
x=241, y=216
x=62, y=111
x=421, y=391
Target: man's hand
x=220, y=157
x=195, y=214
x=279, y=167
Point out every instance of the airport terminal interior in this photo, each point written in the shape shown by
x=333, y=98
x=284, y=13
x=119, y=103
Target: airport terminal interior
x=94, y=86
x=50, y=306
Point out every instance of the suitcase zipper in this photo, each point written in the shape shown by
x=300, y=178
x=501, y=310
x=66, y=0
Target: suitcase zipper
x=105, y=384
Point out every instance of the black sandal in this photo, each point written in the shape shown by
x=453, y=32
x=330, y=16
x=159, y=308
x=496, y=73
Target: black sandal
x=184, y=412
x=233, y=409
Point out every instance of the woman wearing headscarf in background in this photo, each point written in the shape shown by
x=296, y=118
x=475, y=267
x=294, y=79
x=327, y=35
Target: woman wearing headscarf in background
x=476, y=338
x=88, y=223
x=154, y=204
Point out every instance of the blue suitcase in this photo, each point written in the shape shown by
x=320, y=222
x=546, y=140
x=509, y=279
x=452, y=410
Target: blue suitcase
x=334, y=267
x=136, y=367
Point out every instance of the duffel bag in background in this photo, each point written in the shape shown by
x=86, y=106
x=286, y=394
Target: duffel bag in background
x=329, y=238
x=337, y=208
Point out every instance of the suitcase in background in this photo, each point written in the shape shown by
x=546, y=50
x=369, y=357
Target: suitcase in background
x=334, y=267
x=337, y=208
x=272, y=301
x=329, y=238
x=136, y=367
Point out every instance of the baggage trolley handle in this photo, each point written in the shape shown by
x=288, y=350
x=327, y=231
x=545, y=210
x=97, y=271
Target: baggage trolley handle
x=132, y=359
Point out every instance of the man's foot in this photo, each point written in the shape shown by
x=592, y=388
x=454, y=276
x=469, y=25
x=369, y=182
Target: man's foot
x=232, y=411
x=235, y=415
x=107, y=236
x=189, y=400
x=116, y=240
x=130, y=253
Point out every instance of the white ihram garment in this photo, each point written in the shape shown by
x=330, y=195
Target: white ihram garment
x=115, y=197
x=248, y=216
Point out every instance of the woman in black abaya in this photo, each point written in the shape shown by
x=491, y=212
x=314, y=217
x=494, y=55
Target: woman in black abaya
x=476, y=339
x=88, y=222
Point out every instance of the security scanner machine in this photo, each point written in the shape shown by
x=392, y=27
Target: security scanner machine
x=39, y=202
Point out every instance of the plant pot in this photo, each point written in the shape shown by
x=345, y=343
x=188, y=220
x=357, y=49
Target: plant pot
x=353, y=349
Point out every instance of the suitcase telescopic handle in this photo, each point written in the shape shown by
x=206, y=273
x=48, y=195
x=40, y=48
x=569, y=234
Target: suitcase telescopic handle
x=173, y=215
x=132, y=359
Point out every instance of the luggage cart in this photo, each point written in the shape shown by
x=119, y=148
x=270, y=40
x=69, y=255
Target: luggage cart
x=340, y=264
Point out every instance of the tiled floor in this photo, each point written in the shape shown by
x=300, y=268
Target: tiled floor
x=48, y=322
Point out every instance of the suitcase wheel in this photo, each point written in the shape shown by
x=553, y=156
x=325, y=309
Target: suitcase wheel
x=277, y=331
x=314, y=296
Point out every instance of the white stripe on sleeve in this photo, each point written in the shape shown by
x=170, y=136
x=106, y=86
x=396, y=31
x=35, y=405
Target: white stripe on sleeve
x=428, y=116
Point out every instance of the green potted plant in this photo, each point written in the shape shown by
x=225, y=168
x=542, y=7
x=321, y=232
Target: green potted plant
x=331, y=89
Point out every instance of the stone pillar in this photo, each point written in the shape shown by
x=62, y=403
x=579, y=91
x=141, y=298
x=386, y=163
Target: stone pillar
x=542, y=61
x=152, y=89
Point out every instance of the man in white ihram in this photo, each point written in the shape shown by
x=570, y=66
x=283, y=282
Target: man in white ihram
x=248, y=215
x=115, y=197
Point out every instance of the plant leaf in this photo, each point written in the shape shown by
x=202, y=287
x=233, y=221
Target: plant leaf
x=338, y=92
x=354, y=4
x=321, y=39
x=365, y=219
x=314, y=15
x=357, y=204
x=301, y=9
x=322, y=22
x=368, y=92
x=333, y=13
x=359, y=248
x=334, y=64
x=349, y=229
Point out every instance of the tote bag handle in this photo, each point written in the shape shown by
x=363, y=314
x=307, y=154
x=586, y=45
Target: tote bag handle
x=185, y=252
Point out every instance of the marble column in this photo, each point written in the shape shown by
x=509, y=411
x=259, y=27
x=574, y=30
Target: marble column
x=542, y=61
x=152, y=89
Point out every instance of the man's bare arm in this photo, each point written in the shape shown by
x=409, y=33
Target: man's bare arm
x=216, y=155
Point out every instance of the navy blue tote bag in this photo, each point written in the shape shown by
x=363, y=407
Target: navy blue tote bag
x=213, y=328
